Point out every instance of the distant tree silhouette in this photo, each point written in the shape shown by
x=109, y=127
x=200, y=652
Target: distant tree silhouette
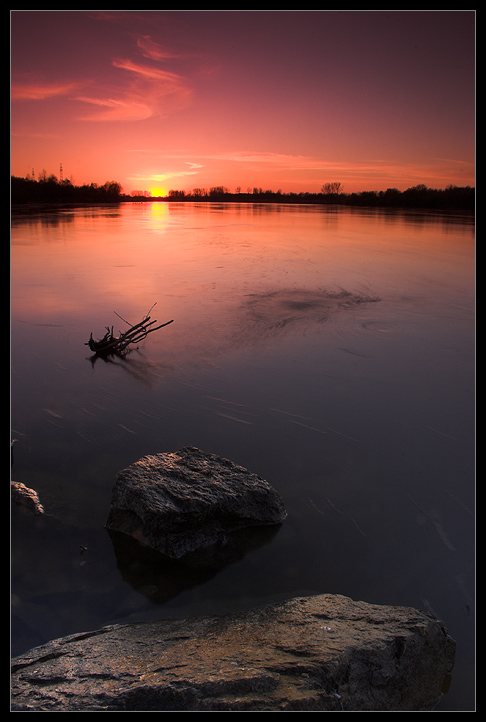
x=49, y=190
x=175, y=195
x=331, y=188
x=218, y=192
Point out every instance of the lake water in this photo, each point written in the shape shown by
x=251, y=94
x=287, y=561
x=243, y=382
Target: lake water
x=329, y=350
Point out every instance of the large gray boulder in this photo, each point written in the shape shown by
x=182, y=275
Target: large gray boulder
x=321, y=653
x=188, y=500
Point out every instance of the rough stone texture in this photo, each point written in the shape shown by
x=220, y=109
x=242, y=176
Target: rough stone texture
x=322, y=653
x=180, y=502
x=23, y=496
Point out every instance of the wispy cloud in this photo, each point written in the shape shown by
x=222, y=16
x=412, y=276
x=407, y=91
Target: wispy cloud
x=145, y=90
x=149, y=73
x=33, y=90
x=365, y=168
x=164, y=177
x=127, y=108
x=149, y=91
x=152, y=50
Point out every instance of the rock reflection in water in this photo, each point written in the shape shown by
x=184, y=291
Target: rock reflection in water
x=160, y=578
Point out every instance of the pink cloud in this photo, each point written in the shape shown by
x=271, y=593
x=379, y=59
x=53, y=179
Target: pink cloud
x=149, y=92
x=40, y=91
x=151, y=49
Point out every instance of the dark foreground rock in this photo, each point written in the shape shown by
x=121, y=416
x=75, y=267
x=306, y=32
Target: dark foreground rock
x=321, y=653
x=188, y=500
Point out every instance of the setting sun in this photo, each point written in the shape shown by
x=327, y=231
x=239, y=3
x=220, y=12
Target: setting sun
x=158, y=192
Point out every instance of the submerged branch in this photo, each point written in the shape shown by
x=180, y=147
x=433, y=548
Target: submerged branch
x=110, y=345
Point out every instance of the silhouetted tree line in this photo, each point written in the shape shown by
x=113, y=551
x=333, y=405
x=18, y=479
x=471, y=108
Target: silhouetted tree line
x=450, y=198
x=419, y=196
x=48, y=189
x=51, y=190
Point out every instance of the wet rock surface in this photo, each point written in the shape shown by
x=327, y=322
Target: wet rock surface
x=320, y=653
x=28, y=498
x=184, y=501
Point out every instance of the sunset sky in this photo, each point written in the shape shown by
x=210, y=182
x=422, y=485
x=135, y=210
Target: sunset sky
x=280, y=100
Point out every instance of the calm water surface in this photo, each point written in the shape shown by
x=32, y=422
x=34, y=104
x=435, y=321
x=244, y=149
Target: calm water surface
x=329, y=351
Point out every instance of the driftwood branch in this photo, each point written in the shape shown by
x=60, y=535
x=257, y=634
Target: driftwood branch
x=111, y=345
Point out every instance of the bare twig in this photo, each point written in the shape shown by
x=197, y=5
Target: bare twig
x=117, y=345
